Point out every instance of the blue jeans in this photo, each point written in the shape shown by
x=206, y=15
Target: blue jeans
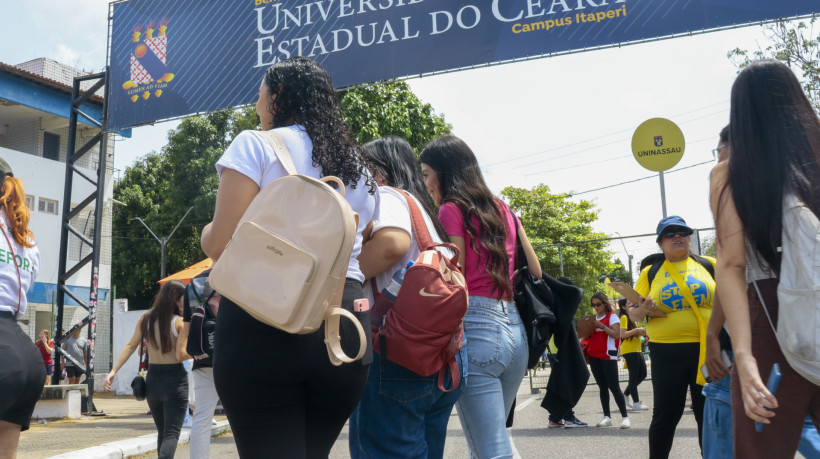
x=810, y=441
x=717, y=419
x=497, y=360
x=402, y=414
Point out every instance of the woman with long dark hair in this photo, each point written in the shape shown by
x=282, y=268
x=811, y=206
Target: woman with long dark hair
x=401, y=414
x=603, y=358
x=167, y=381
x=286, y=398
x=484, y=230
x=775, y=135
x=631, y=335
x=22, y=373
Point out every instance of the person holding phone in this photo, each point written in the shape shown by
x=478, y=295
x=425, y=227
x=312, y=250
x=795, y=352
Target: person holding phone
x=603, y=358
x=675, y=348
x=775, y=149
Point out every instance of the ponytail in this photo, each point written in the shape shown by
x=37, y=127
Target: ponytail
x=13, y=201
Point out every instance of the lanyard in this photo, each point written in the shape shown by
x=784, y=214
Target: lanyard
x=687, y=295
x=19, y=278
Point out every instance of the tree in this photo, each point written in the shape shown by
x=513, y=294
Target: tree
x=620, y=272
x=160, y=187
x=392, y=109
x=560, y=231
x=795, y=44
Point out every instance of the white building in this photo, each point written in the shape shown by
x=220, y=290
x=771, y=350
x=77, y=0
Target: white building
x=34, y=112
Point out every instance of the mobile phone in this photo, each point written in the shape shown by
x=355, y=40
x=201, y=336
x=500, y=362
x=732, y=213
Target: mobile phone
x=361, y=305
x=774, y=381
x=726, y=359
x=705, y=373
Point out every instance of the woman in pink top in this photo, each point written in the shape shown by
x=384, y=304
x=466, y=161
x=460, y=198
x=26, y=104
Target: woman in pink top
x=483, y=228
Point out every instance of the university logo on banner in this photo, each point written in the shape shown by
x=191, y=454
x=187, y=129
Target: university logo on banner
x=148, y=66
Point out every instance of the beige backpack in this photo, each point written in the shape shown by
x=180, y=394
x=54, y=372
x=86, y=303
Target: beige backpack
x=285, y=264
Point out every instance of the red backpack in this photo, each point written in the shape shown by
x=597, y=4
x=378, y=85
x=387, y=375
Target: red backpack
x=422, y=331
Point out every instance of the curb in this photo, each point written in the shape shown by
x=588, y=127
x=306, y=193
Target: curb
x=134, y=446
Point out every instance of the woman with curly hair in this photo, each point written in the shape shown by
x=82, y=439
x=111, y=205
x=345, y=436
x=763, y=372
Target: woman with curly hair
x=22, y=373
x=294, y=401
x=484, y=230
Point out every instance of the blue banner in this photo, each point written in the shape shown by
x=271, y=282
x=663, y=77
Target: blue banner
x=173, y=58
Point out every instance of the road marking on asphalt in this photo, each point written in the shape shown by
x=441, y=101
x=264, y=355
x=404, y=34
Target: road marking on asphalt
x=521, y=406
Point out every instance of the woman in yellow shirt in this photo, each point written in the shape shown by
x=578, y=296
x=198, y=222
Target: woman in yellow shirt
x=675, y=348
x=631, y=352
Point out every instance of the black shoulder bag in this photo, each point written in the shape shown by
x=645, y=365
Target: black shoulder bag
x=138, y=384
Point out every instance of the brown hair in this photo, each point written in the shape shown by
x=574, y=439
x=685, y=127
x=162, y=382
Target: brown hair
x=48, y=335
x=13, y=201
x=162, y=310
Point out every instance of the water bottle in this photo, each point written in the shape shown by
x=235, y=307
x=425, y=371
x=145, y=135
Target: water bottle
x=392, y=290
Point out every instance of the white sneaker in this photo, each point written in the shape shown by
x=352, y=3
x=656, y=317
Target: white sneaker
x=605, y=422
x=626, y=423
x=628, y=403
x=638, y=406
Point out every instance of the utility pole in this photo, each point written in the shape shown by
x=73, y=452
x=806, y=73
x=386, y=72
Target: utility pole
x=163, y=241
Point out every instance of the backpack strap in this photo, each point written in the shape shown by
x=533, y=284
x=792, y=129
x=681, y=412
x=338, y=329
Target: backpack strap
x=280, y=150
x=420, y=231
x=656, y=266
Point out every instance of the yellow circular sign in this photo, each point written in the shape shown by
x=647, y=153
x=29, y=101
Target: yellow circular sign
x=658, y=144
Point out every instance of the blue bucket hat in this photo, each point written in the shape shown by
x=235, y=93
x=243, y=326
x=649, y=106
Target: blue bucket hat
x=672, y=220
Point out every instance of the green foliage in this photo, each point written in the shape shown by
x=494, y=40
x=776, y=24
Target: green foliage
x=391, y=109
x=159, y=188
x=796, y=45
x=620, y=273
x=709, y=246
x=552, y=219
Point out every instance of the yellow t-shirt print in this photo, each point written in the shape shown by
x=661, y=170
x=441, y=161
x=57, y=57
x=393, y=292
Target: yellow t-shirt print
x=680, y=324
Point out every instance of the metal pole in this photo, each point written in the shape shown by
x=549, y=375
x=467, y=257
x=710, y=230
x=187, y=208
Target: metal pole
x=162, y=244
x=163, y=241
x=663, y=194
x=561, y=258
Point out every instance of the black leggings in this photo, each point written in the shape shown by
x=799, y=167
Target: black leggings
x=167, y=396
x=637, y=373
x=606, y=376
x=282, y=396
x=674, y=369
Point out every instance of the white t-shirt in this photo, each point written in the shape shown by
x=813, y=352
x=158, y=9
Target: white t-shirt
x=395, y=213
x=612, y=350
x=251, y=155
x=28, y=259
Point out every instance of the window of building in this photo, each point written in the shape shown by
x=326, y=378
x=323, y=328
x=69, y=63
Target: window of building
x=48, y=206
x=51, y=146
x=30, y=202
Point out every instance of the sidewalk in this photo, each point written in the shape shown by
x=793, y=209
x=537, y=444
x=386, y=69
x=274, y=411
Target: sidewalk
x=126, y=423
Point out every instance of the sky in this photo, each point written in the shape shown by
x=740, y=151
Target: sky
x=565, y=121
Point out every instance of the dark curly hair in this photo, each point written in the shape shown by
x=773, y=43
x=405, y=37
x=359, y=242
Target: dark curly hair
x=463, y=184
x=304, y=95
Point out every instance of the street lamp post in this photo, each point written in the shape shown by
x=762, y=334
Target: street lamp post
x=629, y=257
x=163, y=241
